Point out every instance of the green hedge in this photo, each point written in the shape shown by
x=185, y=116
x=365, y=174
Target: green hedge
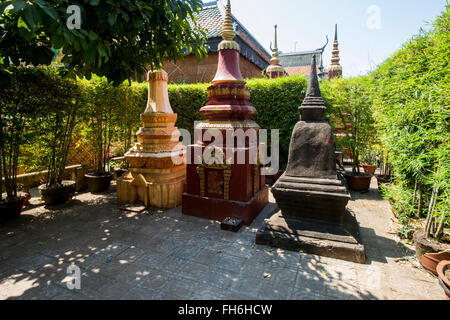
x=412, y=111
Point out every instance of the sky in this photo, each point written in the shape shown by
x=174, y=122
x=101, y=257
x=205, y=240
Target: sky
x=369, y=31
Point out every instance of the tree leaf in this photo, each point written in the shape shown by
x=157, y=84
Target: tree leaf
x=48, y=9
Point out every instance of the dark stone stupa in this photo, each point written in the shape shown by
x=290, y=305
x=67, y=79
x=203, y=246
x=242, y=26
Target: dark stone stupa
x=312, y=195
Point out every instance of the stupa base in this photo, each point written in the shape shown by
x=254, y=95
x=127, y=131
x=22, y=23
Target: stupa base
x=162, y=196
x=340, y=241
x=219, y=209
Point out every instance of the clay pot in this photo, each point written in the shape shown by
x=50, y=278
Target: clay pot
x=430, y=261
x=57, y=195
x=381, y=180
x=369, y=169
x=10, y=210
x=98, y=183
x=425, y=245
x=443, y=280
x=358, y=182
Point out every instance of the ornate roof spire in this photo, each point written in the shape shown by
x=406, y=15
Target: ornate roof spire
x=313, y=107
x=335, y=69
x=228, y=32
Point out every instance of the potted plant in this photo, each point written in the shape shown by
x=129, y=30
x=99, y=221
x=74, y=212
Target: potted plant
x=385, y=176
x=370, y=161
x=443, y=270
x=58, y=111
x=431, y=239
x=351, y=106
x=120, y=167
x=100, y=131
x=13, y=121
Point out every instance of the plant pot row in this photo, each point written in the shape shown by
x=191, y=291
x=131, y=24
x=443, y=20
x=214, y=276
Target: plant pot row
x=58, y=195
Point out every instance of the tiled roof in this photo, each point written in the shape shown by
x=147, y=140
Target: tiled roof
x=298, y=59
x=210, y=18
x=305, y=70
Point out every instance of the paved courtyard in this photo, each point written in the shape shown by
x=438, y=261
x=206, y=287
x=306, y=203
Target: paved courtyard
x=165, y=255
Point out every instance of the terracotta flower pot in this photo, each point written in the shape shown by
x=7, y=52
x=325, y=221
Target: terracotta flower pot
x=98, y=183
x=57, y=195
x=382, y=180
x=442, y=270
x=10, y=210
x=430, y=261
x=425, y=245
x=358, y=182
x=369, y=169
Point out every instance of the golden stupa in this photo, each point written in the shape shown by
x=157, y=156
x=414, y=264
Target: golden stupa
x=157, y=173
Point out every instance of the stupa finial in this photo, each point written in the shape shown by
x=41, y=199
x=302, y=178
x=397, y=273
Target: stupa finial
x=275, y=48
x=313, y=107
x=335, y=68
x=228, y=32
x=275, y=70
x=275, y=60
x=313, y=86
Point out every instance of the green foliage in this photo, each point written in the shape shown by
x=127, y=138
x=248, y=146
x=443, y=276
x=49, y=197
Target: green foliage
x=187, y=100
x=39, y=111
x=412, y=110
x=350, y=107
x=116, y=39
x=277, y=102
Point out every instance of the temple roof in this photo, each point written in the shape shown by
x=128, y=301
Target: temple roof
x=210, y=18
x=300, y=62
x=298, y=59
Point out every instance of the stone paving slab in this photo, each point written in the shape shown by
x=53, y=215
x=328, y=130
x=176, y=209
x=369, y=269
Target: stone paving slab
x=165, y=255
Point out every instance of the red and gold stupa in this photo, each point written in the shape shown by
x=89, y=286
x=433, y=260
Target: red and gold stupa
x=235, y=189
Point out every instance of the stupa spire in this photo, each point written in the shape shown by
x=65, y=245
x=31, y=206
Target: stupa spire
x=228, y=70
x=336, y=68
x=228, y=32
x=313, y=107
x=275, y=53
x=275, y=70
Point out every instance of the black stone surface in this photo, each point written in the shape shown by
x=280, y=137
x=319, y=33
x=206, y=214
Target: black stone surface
x=311, y=194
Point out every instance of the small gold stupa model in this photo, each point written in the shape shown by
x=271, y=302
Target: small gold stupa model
x=157, y=171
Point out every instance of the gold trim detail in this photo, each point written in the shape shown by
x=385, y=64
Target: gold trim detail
x=201, y=173
x=226, y=184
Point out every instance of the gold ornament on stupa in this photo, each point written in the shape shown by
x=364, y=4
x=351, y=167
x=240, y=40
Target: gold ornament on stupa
x=157, y=171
